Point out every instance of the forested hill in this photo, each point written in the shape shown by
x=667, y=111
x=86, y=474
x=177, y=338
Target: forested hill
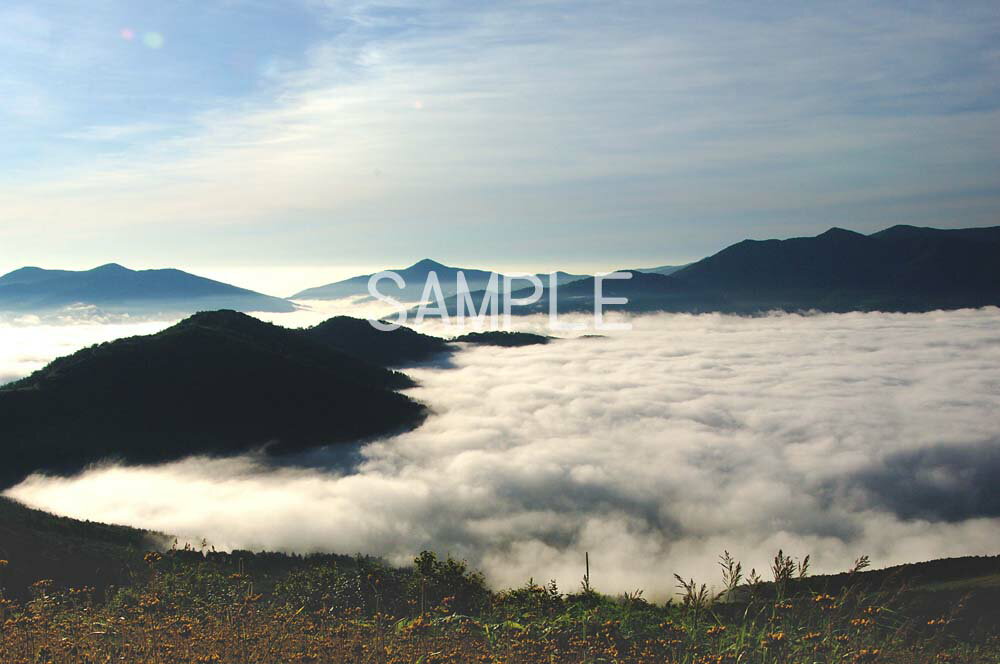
x=216, y=383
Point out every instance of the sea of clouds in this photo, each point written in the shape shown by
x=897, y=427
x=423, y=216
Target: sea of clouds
x=29, y=342
x=653, y=449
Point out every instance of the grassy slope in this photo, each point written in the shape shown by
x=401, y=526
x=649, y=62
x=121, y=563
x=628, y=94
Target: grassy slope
x=243, y=607
x=38, y=545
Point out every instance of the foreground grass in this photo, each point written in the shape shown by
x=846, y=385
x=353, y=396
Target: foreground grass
x=191, y=607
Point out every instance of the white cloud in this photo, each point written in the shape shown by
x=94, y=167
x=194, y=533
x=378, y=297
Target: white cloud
x=28, y=342
x=545, y=116
x=654, y=450
x=115, y=132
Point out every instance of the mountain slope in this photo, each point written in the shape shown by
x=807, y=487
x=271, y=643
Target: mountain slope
x=216, y=383
x=116, y=288
x=415, y=278
x=646, y=292
x=903, y=268
x=663, y=269
x=74, y=553
x=38, y=545
x=357, y=337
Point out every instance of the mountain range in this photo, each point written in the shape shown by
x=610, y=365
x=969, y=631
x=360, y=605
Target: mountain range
x=115, y=288
x=415, y=277
x=903, y=268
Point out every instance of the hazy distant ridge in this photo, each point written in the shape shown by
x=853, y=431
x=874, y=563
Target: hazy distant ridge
x=903, y=268
x=415, y=276
x=117, y=288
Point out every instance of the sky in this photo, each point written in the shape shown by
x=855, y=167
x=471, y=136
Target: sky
x=225, y=135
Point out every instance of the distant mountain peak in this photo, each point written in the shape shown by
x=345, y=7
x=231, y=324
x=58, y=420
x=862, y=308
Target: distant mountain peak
x=905, y=231
x=837, y=232
x=217, y=317
x=28, y=275
x=427, y=264
x=28, y=269
x=114, y=287
x=901, y=228
x=111, y=267
x=908, y=232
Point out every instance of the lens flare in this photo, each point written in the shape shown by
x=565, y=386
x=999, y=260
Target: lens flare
x=128, y=34
x=153, y=40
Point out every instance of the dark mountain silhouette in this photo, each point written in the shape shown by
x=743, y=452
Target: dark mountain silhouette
x=561, y=278
x=663, y=269
x=115, y=288
x=359, y=338
x=415, y=277
x=403, y=346
x=645, y=292
x=903, y=268
x=216, y=383
x=503, y=338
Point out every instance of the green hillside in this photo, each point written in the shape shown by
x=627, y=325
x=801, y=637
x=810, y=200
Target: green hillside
x=83, y=592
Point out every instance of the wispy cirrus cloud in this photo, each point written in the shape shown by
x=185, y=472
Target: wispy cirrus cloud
x=391, y=125
x=116, y=132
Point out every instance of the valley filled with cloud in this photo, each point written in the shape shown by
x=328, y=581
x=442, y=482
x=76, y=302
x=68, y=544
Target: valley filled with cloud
x=653, y=449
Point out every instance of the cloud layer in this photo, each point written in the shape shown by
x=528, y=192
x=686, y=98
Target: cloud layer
x=349, y=131
x=654, y=450
x=28, y=342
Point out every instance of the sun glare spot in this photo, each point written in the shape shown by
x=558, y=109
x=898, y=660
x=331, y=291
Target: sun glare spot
x=153, y=40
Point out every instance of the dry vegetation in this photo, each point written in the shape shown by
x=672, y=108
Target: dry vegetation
x=189, y=606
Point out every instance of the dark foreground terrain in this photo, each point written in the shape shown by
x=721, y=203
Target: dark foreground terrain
x=83, y=592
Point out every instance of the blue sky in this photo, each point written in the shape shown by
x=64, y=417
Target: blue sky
x=541, y=133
